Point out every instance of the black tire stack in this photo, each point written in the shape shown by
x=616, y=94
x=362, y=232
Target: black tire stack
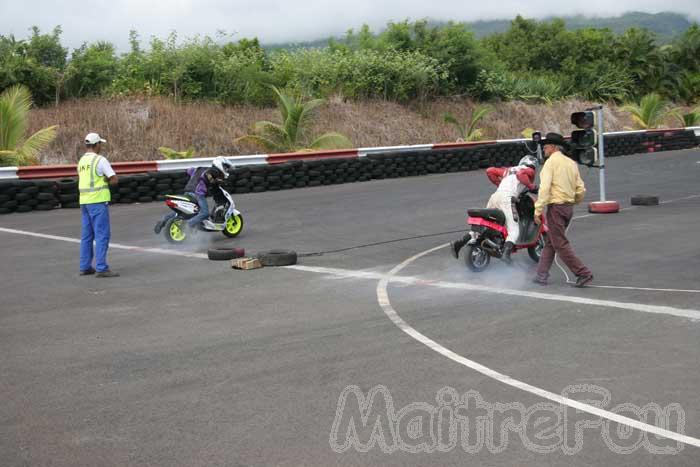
x=178, y=180
x=68, y=194
x=148, y=187
x=8, y=202
x=47, y=196
x=405, y=164
x=624, y=145
x=506, y=154
x=27, y=196
x=297, y=174
x=671, y=140
x=239, y=180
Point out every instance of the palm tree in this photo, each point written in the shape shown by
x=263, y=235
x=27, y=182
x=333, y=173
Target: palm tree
x=650, y=112
x=290, y=135
x=468, y=131
x=15, y=149
x=169, y=153
x=691, y=118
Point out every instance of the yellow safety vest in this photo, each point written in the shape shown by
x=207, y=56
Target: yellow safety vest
x=93, y=188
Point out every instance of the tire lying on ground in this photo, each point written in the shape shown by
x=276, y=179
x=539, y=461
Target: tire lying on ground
x=223, y=254
x=645, y=200
x=277, y=257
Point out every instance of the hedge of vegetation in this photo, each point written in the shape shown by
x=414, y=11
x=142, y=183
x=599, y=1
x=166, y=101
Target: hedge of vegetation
x=530, y=61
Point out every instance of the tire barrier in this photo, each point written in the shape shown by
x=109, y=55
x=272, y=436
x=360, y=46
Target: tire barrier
x=624, y=144
x=27, y=196
x=148, y=187
x=256, y=174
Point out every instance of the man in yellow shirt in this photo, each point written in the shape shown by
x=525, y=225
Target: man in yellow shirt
x=561, y=187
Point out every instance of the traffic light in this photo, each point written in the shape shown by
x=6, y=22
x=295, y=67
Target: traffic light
x=584, y=142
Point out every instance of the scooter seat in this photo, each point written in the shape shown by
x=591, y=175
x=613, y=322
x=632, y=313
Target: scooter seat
x=182, y=197
x=494, y=215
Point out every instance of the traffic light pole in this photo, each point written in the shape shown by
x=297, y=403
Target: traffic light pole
x=601, y=150
x=603, y=206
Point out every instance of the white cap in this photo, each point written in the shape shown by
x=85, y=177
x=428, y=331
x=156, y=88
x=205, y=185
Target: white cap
x=94, y=138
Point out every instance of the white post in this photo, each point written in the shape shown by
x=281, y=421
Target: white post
x=601, y=151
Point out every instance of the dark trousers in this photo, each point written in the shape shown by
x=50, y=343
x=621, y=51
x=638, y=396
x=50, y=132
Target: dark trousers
x=558, y=219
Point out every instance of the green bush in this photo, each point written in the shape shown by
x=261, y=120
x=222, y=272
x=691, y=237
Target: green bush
x=531, y=87
x=360, y=74
x=91, y=70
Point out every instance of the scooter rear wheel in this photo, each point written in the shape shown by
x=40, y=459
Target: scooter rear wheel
x=535, y=252
x=476, y=258
x=174, y=232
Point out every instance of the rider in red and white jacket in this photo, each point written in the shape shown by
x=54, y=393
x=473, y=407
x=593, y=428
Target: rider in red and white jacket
x=511, y=183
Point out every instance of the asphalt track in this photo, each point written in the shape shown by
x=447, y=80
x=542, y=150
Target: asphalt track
x=185, y=362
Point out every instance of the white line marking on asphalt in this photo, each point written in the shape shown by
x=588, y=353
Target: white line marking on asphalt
x=409, y=280
x=692, y=314
x=118, y=246
x=385, y=303
x=649, y=289
x=680, y=199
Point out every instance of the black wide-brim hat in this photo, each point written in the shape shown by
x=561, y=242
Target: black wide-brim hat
x=555, y=138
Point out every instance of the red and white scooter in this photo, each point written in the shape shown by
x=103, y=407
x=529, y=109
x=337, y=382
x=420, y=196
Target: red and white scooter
x=488, y=233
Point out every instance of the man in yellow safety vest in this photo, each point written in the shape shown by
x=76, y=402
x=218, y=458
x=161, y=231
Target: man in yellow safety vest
x=95, y=175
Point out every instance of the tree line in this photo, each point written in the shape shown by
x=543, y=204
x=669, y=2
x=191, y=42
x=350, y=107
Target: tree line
x=531, y=61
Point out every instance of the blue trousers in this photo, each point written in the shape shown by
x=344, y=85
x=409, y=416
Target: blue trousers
x=203, y=210
x=95, y=227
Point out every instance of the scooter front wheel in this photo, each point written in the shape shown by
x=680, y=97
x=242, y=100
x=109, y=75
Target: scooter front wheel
x=173, y=230
x=476, y=258
x=535, y=252
x=234, y=226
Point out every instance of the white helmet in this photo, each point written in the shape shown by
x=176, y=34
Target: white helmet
x=222, y=164
x=529, y=161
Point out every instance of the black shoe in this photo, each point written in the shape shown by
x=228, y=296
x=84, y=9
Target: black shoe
x=107, y=273
x=454, y=249
x=158, y=227
x=539, y=280
x=457, y=245
x=583, y=281
x=87, y=272
x=507, y=250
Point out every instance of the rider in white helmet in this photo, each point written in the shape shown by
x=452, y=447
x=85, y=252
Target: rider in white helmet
x=222, y=164
x=511, y=183
x=201, y=184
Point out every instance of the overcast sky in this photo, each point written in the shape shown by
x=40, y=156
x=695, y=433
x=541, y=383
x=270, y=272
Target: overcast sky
x=278, y=20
